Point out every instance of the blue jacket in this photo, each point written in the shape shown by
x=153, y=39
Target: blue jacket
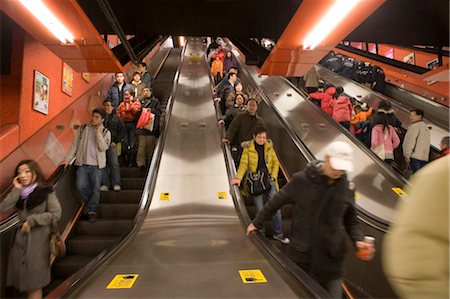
x=115, y=95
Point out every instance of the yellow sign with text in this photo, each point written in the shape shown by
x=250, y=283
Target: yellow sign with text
x=222, y=195
x=164, y=196
x=399, y=191
x=252, y=276
x=123, y=281
x=357, y=195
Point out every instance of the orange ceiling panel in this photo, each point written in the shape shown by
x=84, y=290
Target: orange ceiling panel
x=89, y=52
x=288, y=58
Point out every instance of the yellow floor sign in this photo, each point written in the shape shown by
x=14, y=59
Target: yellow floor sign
x=252, y=276
x=122, y=281
x=221, y=195
x=164, y=196
x=399, y=191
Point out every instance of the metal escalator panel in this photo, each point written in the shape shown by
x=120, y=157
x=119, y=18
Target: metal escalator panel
x=191, y=243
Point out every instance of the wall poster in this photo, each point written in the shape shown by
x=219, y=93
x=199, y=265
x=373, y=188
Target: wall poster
x=67, y=80
x=41, y=92
x=409, y=59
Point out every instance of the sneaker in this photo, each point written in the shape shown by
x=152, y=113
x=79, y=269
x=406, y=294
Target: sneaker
x=104, y=188
x=117, y=188
x=92, y=217
x=282, y=239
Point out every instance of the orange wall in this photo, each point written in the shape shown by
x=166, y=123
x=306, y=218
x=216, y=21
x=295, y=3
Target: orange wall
x=37, y=57
x=421, y=58
x=10, y=84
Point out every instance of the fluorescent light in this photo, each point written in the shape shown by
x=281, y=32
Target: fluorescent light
x=48, y=19
x=332, y=18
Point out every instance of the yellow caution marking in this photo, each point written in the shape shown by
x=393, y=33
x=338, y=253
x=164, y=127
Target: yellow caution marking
x=399, y=191
x=122, y=281
x=194, y=58
x=252, y=276
x=222, y=195
x=357, y=195
x=164, y=196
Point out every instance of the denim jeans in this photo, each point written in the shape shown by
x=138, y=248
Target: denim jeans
x=112, y=168
x=416, y=164
x=276, y=218
x=88, y=184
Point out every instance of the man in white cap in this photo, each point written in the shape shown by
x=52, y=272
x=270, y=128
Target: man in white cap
x=324, y=213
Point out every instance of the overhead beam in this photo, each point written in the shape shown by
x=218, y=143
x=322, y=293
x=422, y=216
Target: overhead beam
x=289, y=58
x=89, y=52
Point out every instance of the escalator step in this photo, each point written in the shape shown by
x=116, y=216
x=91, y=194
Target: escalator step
x=88, y=245
x=109, y=226
x=131, y=172
x=132, y=184
x=118, y=210
x=124, y=196
x=69, y=265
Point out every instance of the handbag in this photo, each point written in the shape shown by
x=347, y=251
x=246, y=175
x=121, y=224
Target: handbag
x=57, y=244
x=146, y=120
x=258, y=182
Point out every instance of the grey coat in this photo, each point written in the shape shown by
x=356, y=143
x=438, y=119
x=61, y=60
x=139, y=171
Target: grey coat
x=29, y=256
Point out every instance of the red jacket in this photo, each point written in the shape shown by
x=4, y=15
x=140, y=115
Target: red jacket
x=342, y=109
x=325, y=99
x=129, y=110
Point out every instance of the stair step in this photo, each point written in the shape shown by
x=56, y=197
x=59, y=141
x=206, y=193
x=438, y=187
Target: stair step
x=124, y=196
x=89, y=245
x=132, y=172
x=109, y=227
x=118, y=210
x=132, y=183
x=69, y=265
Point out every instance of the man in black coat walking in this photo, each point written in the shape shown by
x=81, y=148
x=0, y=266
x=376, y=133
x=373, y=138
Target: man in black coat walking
x=324, y=213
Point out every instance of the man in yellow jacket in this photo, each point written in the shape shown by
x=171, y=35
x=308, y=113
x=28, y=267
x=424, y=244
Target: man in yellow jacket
x=259, y=155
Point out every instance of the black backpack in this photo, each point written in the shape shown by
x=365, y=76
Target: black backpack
x=258, y=182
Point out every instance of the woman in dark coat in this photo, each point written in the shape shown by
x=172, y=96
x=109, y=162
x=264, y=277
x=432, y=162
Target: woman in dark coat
x=37, y=207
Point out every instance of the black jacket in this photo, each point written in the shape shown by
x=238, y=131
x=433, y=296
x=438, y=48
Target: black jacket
x=116, y=126
x=155, y=106
x=242, y=127
x=322, y=215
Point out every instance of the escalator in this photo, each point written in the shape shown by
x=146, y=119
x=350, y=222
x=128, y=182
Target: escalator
x=192, y=241
x=293, y=123
x=436, y=115
x=87, y=243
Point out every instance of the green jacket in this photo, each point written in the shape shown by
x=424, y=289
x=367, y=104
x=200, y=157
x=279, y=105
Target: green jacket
x=249, y=161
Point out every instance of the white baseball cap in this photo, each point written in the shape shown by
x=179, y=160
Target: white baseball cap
x=341, y=155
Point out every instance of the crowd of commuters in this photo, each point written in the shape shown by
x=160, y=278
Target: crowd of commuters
x=379, y=130
x=365, y=73
x=258, y=165
x=115, y=131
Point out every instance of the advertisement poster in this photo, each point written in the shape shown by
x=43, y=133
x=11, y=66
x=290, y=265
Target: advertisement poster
x=67, y=80
x=433, y=64
x=389, y=53
x=409, y=59
x=372, y=48
x=41, y=92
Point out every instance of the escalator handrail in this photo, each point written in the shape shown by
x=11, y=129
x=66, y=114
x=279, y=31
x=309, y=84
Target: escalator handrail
x=71, y=284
